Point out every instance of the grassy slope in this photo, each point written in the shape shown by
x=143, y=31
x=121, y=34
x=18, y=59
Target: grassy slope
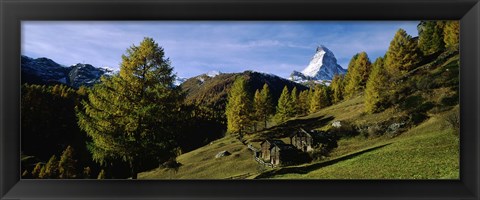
x=429, y=150
x=202, y=164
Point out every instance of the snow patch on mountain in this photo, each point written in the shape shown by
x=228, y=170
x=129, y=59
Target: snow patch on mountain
x=213, y=73
x=47, y=71
x=322, y=67
x=179, y=80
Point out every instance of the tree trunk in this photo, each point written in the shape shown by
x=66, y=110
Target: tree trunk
x=265, y=122
x=133, y=170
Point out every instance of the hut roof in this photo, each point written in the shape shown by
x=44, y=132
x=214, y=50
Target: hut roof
x=302, y=132
x=272, y=142
x=283, y=146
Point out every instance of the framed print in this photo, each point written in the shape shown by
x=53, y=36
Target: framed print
x=239, y=99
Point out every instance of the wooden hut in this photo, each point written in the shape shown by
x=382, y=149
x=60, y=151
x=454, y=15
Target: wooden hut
x=303, y=140
x=266, y=145
x=282, y=154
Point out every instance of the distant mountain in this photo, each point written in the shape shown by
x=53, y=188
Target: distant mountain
x=211, y=74
x=179, y=80
x=323, y=66
x=47, y=71
x=212, y=91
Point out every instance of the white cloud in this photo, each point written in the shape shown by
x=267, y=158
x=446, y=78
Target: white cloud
x=198, y=47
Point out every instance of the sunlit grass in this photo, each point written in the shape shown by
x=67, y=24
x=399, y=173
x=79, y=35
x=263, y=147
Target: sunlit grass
x=428, y=151
x=202, y=164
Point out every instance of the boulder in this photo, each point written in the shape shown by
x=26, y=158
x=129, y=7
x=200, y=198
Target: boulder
x=222, y=154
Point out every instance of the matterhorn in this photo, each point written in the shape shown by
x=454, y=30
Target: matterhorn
x=322, y=68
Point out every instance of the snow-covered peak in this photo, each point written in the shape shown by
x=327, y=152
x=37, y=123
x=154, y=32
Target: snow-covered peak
x=322, y=66
x=323, y=58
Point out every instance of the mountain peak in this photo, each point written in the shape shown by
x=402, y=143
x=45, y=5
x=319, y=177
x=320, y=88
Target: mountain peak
x=323, y=66
x=46, y=71
x=322, y=48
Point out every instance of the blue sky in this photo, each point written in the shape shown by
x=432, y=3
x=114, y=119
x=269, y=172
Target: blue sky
x=196, y=47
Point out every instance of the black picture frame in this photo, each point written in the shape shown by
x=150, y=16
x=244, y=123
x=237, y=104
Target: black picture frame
x=14, y=11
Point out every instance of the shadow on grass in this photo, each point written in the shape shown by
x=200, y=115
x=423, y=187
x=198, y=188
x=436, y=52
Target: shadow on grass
x=315, y=166
x=287, y=128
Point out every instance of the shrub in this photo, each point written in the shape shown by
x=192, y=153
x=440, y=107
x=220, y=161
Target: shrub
x=449, y=101
x=345, y=130
x=171, y=164
x=425, y=106
x=417, y=117
x=375, y=130
x=453, y=120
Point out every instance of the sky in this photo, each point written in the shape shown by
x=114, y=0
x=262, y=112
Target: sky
x=197, y=47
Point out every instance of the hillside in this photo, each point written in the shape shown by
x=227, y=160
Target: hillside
x=411, y=140
x=212, y=91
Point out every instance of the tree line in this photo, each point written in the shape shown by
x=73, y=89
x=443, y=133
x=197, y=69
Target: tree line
x=245, y=112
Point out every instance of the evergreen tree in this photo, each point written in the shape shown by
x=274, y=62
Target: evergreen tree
x=268, y=100
x=132, y=116
x=351, y=65
x=357, y=74
x=430, y=36
x=337, y=86
x=402, y=54
x=257, y=108
x=285, y=107
x=66, y=165
x=375, y=93
x=239, y=107
x=42, y=173
x=326, y=97
x=319, y=99
x=295, y=104
x=263, y=104
x=315, y=104
x=50, y=170
x=303, y=102
x=451, y=34
x=36, y=170
x=101, y=174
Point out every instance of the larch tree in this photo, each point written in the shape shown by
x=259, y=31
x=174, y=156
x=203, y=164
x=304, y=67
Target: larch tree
x=50, y=170
x=358, y=74
x=101, y=174
x=402, y=54
x=284, y=107
x=430, y=36
x=337, y=86
x=375, y=93
x=304, y=102
x=239, y=107
x=294, y=99
x=263, y=105
x=319, y=99
x=36, y=170
x=451, y=34
x=66, y=165
x=131, y=115
x=257, y=109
